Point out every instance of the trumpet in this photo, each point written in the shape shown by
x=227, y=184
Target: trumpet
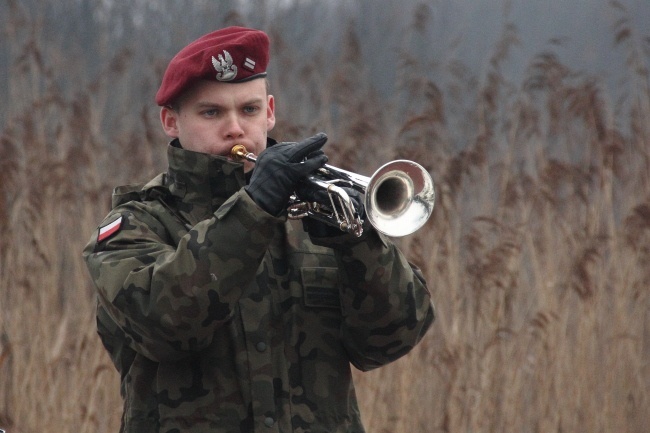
x=398, y=198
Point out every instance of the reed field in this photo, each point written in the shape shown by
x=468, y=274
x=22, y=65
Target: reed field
x=537, y=254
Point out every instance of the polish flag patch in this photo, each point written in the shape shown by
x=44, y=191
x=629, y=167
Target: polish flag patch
x=109, y=230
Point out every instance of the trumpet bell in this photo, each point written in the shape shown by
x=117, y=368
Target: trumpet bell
x=399, y=198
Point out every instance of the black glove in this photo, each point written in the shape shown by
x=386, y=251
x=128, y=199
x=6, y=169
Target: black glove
x=279, y=168
x=311, y=193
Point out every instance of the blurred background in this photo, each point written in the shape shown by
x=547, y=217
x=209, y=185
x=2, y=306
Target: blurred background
x=533, y=118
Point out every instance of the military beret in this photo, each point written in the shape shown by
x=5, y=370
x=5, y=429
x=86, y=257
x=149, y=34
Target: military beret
x=232, y=54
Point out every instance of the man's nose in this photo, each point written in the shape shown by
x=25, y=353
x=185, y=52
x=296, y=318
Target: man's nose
x=234, y=128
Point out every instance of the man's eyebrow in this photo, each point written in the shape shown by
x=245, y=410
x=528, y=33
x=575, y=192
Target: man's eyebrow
x=255, y=100
x=204, y=104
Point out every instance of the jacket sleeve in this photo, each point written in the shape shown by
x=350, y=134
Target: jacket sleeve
x=386, y=305
x=169, y=299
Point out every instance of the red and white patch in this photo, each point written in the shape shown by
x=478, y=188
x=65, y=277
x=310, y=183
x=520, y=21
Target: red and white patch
x=109, y=230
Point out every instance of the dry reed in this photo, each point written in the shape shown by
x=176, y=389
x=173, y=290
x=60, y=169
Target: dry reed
x=537, y=253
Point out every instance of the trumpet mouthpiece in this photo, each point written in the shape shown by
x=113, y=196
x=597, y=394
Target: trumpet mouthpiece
x=239, y=151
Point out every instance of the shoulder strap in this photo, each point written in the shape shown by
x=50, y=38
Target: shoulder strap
x=126, y=193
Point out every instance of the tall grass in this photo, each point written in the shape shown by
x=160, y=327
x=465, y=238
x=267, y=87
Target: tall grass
x=537, y=253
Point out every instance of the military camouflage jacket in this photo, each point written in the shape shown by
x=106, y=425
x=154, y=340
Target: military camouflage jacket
x=222, y=318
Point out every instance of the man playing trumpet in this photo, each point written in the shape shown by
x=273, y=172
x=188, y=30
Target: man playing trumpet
x=219, y=313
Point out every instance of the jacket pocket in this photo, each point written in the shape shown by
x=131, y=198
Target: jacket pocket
x=320, y=287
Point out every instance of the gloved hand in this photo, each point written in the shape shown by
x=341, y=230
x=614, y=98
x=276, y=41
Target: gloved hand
x=279, y=168
x=309, y=192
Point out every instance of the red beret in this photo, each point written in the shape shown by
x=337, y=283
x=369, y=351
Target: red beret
x=233, y=55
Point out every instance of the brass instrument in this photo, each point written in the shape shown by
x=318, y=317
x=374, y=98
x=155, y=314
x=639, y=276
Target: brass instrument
x=399, y=197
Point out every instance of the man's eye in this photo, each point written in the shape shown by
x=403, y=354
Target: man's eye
x=250, y=110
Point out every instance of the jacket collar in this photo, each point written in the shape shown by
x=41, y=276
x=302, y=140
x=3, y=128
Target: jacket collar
x=201, y=180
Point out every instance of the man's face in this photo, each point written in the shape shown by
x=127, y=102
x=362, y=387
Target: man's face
x=212, y=117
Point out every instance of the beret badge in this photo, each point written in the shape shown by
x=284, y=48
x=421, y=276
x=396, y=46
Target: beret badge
x=226, y=71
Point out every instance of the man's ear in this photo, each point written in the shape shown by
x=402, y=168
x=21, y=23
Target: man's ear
x=169, y=120
x=270, y=113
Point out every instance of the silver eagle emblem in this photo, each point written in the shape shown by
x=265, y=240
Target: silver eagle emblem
x=226, y=71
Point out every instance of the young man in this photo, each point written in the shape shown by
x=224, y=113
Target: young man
x=219, y=313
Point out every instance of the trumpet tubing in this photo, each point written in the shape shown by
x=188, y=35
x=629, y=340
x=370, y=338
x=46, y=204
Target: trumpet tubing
x=399, y=196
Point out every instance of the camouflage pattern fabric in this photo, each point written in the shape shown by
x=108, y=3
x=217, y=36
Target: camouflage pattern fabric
x=222, y=318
